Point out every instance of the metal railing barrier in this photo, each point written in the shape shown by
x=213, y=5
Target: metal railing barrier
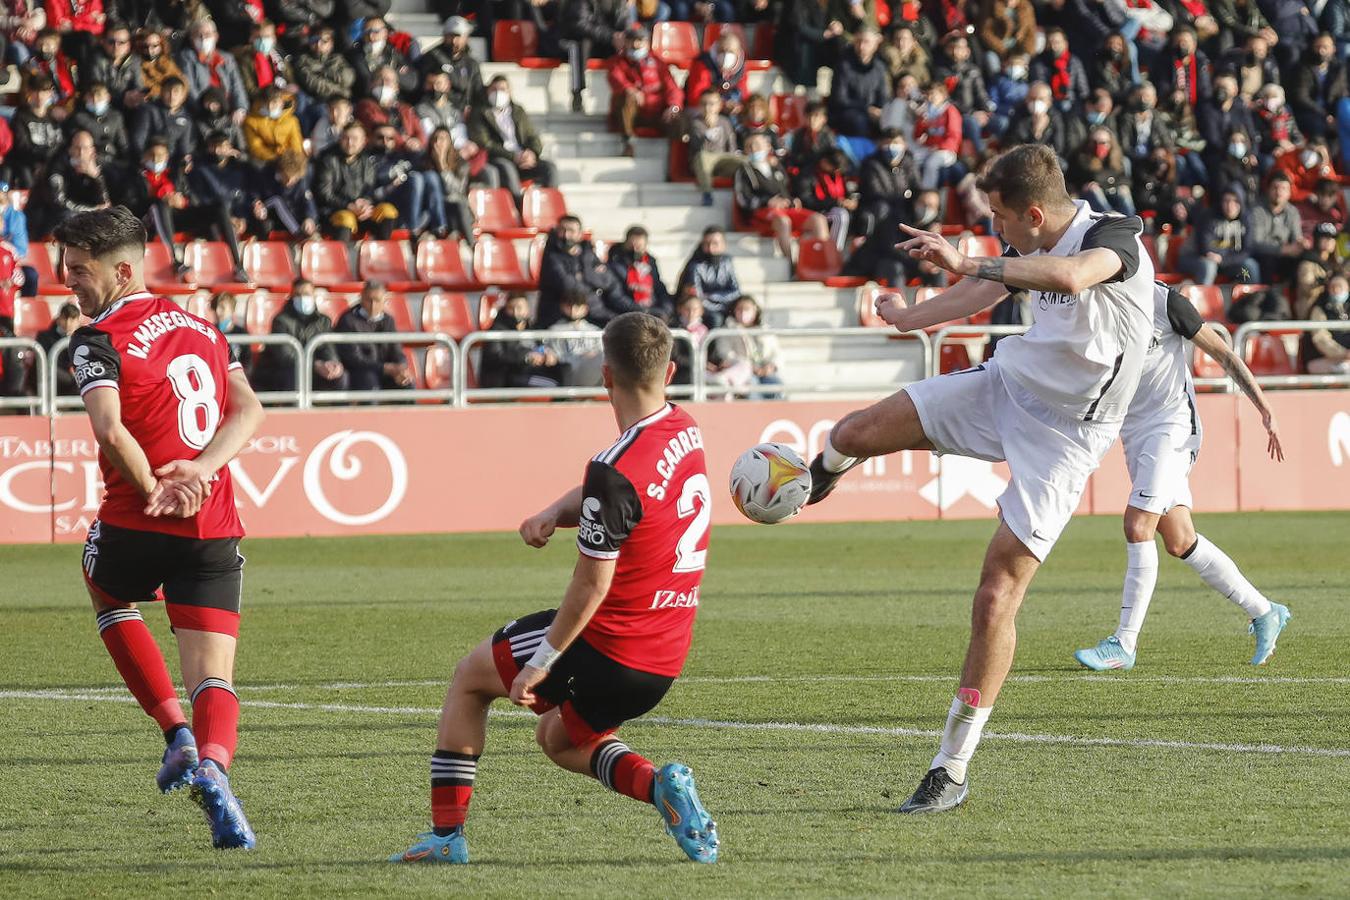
x=451, y=394
x=42, y=402
x=1246, y=332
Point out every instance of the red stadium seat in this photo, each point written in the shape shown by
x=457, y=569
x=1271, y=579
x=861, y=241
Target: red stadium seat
x=788, y=111
x=866, y=305
x=262, y=308
x=438, y=368
x=270, y=264
x=517, y=41
x=384, y=261
x=675, y=43
x=398, y=308
x=199, y=304
x=494, y=211
x=1266, y=355
x=159, y=270
x=1204, y=367
x=328, y=264
x=953, y=358
x=713, y=30
x=761, y=48
x=489, y=304
x=212, y=265
x=1207, y=300
x=543, y=207
x=333, y=304
x=536, y=257
x=31, y=315
x=678, y=169
x=447, y=313
x=975, y=245
x=818, y=260
x=439, y=262
x=49, y=283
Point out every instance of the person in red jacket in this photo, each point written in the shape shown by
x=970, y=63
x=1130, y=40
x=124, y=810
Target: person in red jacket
x=79, y=22
x=937, y=136
x=721, y=68
x=1305, y=166
x=644, y=92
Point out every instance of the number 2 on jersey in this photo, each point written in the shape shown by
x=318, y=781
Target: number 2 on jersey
x=198, y=411
x=688, y=558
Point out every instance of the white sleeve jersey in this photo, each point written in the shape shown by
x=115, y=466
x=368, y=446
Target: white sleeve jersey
x=1083, y=353
x=1165, y=399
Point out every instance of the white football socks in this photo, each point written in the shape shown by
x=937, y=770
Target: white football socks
x=965, y=724
x=1221, y=573
x=1141, y=575
x=833, y=460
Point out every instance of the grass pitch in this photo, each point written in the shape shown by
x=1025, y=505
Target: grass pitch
x=1192, y=775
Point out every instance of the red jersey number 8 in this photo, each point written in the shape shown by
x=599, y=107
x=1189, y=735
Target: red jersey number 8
x=198, y=410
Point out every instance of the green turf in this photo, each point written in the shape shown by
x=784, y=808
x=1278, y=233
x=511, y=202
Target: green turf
x=808, y=813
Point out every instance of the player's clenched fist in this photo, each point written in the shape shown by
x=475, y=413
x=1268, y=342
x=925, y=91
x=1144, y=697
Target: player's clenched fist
x=891, y=309
x=538, y=528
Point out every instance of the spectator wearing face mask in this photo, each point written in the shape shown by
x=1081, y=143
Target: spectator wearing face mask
x=1009, y=93
x=644, y=92
x=1184, y=67
x=271, y=128
x=1140, y=128
x=107, y=126
x=48, y=61
x=453, y=59
x=383, y=108
x=760, y=353
x=826, y=191
x=1062, y=72
x=517, y=363
x=374, y=52
x=156, y=64
x=1219, y=117
x=218, y=176
x=74, y=182
x=1099, y=112
x=1112, y=70
x=222, y=312
x=1315, y=266
x=711, y=275
x=204, y=66
x=1097, y=169
x=377, y=366
x=1317, y=87
x=762, y=195
x=1224, y=242
x=1276, y=130
x=810, y=142
x=638, y=275
x=1006, y=29
x=262, y=65
x=514, y=148
x=301, y=319
x=213, y=115
x=712, y=144
x=859, y=90
x=720, y=68
x=965, y=85
x=1041, y=123
x=887, y=182
x=1175, y=111
x=880, y=259
x=437, y=109
x=1306, y=166
x=1327, y=352
x=1254, y=66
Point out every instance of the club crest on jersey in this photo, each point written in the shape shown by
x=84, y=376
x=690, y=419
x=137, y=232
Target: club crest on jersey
x=589, y=528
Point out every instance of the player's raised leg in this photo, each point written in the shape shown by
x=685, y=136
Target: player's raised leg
x=1141, y=576
x=1219, y=571
x=1008, y=568
x=454, y=764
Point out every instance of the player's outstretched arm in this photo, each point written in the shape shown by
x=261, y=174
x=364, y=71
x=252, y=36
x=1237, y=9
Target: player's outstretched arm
x=104, y=405
x=243, y=414
x=1058, y=274
x=1218, y=350
x=965, y=298
x=590, y=583
x=564, y=512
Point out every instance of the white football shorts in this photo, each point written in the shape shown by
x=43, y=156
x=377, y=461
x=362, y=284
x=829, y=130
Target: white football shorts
x=978, y=413
x=1159, y=460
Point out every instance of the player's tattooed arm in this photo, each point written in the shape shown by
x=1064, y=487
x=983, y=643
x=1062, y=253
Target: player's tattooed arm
x=1208, y=340
x=990, y=269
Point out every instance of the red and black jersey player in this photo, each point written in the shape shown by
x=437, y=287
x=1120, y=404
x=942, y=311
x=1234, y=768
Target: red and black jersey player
x=616, y=643
x=169, y=409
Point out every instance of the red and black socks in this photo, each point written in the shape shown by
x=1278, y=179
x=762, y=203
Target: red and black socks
x=215, y=721
x=452, y=777
x=141, y=665
x=623, y=771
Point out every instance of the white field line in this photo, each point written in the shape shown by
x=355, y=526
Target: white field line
x=800, y=727
x=1116, y=679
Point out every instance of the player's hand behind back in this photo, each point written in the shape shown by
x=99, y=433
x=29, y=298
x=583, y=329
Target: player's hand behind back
x=538, y=528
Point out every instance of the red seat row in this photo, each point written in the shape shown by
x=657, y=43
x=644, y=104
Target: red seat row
x=675, y=43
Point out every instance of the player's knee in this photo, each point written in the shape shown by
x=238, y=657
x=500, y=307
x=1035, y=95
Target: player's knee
x=551, y=737
x=848, y=433
x=1179, y=542
x=993, y=605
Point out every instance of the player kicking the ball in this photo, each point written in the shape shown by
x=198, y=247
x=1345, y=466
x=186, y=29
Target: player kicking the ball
x=1050, y=402
x=169, y=409
x=1161, y=437
x=613, y=648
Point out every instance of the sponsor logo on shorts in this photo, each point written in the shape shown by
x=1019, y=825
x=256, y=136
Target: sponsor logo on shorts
x=589, y=528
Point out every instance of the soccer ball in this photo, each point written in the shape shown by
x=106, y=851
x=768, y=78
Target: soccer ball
x=770, y=483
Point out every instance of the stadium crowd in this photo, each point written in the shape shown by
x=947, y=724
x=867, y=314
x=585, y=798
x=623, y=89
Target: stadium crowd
x=1224, y=124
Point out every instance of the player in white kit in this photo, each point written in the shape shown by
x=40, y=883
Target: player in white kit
x=1161, y=437
x=1050, y=402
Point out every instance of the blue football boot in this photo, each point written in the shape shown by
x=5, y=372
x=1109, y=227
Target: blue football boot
x=687, y=821
x=1267, y=629
x=225, y=815
x=180, y=760
x=1107, y=655
x=432, y=848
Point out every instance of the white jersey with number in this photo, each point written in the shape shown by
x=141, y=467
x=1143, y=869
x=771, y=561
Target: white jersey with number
x=1083, y=353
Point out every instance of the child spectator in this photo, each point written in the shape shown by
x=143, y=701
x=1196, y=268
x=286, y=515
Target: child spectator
x=712, y=145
